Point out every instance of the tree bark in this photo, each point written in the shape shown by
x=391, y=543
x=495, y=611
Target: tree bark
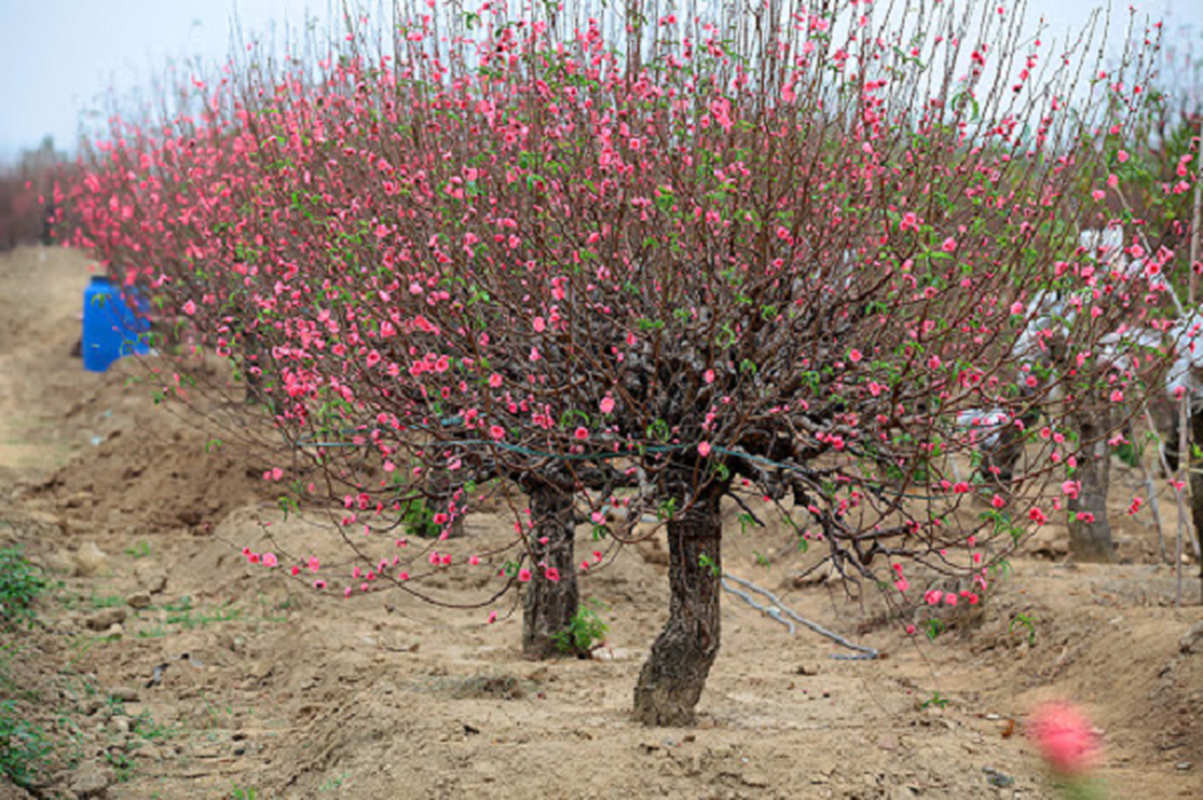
x=1196, y=494
x=548, y=606
x=672, y=679
x=441, y=492
x=1090, y=540
x=1196, y=478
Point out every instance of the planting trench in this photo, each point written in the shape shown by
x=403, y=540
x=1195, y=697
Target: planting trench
x=167, y=667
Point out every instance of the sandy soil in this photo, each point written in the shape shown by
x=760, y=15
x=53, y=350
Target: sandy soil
x=170, y=668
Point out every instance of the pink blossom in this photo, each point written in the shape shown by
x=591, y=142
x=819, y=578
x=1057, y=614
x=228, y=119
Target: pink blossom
x=269, y=560
x=1064, y=738
x=607, y=404
x=524, y=575
x=704, y=449
x=552, y=574
x=581, y=434
x=497, y=432
x=950, y=244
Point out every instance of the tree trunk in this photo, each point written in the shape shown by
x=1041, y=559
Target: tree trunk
x=252, y=369
x=548, y=606
x=672, y=679
x=1090, y=540
x=1196, y=492
x=441, y=492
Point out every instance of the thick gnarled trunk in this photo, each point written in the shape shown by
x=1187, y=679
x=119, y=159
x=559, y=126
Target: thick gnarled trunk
x=674, y=675
x=1090, y=538
x=548, y=606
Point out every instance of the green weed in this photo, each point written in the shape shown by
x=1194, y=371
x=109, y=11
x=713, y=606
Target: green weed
x=20, y=583
x=24, y=748
x=585, y=633
x=140, y=550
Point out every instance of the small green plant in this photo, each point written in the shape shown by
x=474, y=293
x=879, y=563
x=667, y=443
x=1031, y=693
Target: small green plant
x=140, y=550
x=585, y=633
x=106, y=601
x=935, y=700
x=186, y=620
x=333, y=782
x=122, y=766
x=418, y=520
x=146, y=727
x=238, y=793
x=934, y=628
x=1128, y=454
x=20, y=583
x=183, y=604
x=1027, y=622
x=24, y=749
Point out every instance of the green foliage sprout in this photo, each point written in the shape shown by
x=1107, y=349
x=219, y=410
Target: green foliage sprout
x=584, y=634
x=24, y=749
x=20, y=583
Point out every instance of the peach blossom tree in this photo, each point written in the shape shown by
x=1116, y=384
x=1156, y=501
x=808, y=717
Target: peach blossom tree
x=792, y=255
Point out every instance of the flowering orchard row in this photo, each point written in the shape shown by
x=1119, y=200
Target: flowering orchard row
x=777, y=255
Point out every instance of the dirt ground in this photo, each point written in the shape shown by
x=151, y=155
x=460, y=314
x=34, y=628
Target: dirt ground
x=167, y=667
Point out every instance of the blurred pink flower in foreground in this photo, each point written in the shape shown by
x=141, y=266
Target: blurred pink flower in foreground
x=1065, y=738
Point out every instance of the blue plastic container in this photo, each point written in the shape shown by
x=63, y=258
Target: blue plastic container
x=111, y=328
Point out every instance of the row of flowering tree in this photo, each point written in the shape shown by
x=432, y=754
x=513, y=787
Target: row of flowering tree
x=632, y=263
x=28, y=190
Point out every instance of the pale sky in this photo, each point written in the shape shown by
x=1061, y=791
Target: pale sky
x=57, y=57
